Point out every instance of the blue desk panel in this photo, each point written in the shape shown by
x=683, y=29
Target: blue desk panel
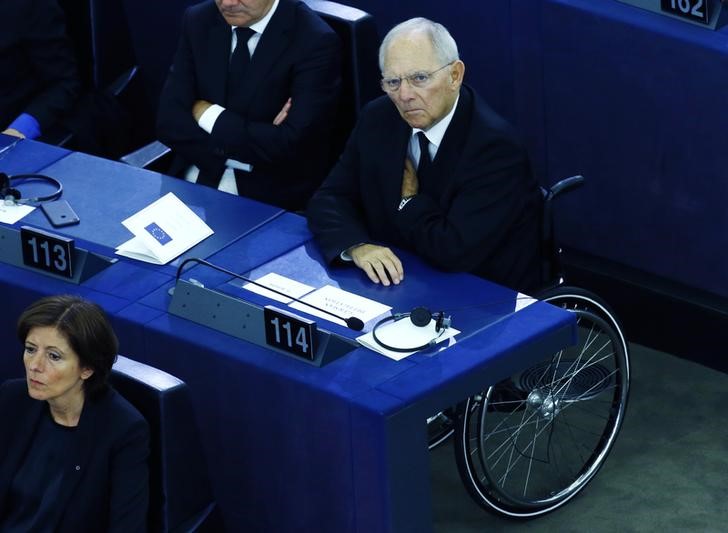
x=27, y=157
x=267, y=242
x=104, y=193
x=636, y=102
x=290, y=446
x=293, y=447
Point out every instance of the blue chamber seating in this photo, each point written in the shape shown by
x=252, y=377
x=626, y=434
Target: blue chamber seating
x=180, y=492
x=103, y=122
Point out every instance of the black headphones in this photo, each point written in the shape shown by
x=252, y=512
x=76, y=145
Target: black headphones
x=11, y=195
x=419, y=316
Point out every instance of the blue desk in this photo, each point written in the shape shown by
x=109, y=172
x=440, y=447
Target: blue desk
x=104, y=193
x=292, y=447
x=27, y=157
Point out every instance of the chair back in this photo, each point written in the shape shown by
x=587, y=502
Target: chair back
x=100, y=35
x=360, y=73
x=104, y=121
x=180, y=492
x=155, y=27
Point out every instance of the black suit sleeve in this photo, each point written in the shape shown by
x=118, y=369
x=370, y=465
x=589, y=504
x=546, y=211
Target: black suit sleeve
x=49, y=59
x=314, y=80
x=129, y=491
x=175, y=125
x=308, y=71
x=492, y=190
x=335, y=212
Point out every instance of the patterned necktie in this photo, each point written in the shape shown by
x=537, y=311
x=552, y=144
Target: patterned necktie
x=239, y=60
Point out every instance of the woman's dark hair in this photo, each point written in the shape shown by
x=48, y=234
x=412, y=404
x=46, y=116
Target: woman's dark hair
x=86, y=328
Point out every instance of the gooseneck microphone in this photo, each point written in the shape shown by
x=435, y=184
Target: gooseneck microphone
x=352, y=322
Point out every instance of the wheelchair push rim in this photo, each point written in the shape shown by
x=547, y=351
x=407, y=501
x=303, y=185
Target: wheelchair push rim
x=530, y=443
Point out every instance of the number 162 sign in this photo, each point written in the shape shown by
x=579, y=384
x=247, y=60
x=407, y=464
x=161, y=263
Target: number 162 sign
x=696, y=10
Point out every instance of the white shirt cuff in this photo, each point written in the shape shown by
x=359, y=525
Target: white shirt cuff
x=345, y=255
x=232, y=163
x=209, y=117
x=207, y=122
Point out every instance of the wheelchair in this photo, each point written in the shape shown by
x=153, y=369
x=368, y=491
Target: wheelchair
x=530, y=443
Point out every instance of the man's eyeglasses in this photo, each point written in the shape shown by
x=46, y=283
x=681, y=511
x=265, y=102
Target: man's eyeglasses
x=417, y=79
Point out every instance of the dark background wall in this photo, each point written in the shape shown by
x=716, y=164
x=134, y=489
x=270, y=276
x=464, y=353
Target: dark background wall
x=482, y=30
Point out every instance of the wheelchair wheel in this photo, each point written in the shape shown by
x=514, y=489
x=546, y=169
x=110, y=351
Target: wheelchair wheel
x=530, y=443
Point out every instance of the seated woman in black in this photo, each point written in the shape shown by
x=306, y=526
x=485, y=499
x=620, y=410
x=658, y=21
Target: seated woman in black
x=73, y=452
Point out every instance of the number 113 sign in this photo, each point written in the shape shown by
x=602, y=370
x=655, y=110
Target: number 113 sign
x=46, y=251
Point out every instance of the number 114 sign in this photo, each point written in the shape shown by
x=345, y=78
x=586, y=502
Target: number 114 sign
x=288, y=332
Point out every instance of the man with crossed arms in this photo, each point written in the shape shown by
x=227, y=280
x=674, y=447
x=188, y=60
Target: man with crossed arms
x=250, y=99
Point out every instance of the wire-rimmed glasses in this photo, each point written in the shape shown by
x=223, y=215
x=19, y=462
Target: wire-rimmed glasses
x=418, y=80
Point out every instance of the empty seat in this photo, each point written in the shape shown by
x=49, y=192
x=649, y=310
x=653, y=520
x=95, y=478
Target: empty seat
x=180, y=497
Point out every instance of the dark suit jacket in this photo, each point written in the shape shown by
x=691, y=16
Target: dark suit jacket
x=37, y=65
x=298, y=56
x=479, y=211
x=106, y=485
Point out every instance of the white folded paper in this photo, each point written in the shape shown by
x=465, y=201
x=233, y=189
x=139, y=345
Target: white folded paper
x=342, y=303
x=11, y=213
x=523, y=301
x=162, y=231
x=290, y=287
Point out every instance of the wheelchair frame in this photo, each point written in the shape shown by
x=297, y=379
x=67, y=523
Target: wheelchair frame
x=530, y=443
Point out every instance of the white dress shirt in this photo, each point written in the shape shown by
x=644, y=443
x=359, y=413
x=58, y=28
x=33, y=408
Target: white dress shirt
x=211, y=114
x=435, y=135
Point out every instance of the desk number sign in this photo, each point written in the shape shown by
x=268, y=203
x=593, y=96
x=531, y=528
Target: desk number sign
x=46, y=251
x=695, y=10
x=289, y=332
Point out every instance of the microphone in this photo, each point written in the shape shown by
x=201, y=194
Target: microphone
x=352, y=322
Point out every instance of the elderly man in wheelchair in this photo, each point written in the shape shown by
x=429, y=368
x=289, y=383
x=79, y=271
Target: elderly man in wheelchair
x=467, y=202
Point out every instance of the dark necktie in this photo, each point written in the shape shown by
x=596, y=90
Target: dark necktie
x=239, y=60
x=425, y=161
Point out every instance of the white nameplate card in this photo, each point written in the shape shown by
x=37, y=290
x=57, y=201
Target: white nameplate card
x=162, y=231
x=292, y=288
x=341, y=303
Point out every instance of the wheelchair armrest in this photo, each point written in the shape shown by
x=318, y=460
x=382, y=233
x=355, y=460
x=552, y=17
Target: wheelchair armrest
x=147, y=155
x=566, y=184
x=551, y=265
